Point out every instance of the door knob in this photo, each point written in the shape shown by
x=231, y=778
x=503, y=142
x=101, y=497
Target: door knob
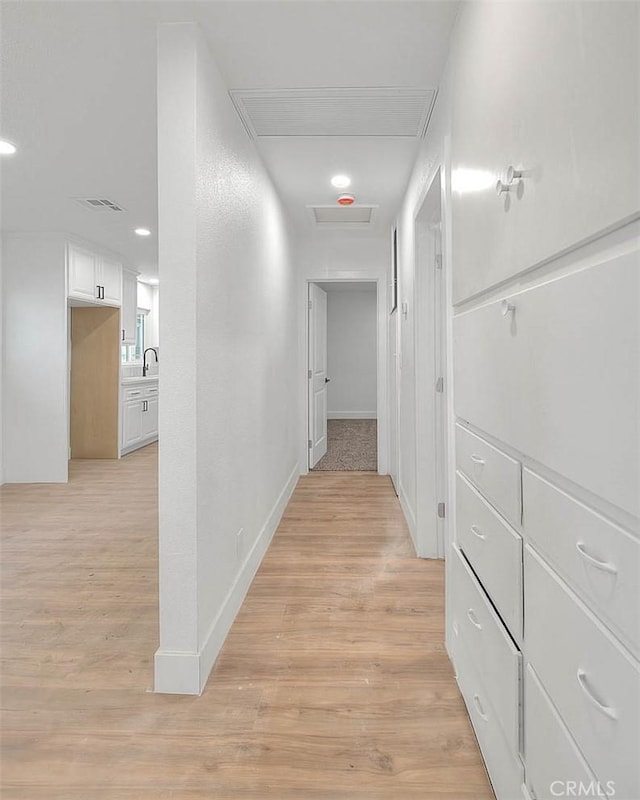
x=327, y=380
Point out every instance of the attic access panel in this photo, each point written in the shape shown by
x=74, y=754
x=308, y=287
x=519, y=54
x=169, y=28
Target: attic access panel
x=391, y=112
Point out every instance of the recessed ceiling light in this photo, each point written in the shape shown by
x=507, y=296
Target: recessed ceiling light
x=6, y=148
x=143, y=231
x=340, y=181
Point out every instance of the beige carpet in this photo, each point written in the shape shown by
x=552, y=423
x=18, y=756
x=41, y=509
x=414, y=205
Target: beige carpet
x=351, y=445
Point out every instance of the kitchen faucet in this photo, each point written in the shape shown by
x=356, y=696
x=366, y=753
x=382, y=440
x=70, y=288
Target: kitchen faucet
x=145, y=366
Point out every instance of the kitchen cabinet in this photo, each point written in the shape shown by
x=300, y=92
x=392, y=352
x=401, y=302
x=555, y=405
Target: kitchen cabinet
x=129, y=307
x=139, y=414
x=92, y=277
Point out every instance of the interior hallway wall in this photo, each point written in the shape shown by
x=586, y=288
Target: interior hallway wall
x=228, y=417
x=352, y=354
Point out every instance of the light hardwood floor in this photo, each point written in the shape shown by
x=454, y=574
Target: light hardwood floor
x=333, y=683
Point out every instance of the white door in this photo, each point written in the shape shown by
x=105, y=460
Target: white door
x=82, y=274
x=317, y=374
x=131, y=423
x=150, y=418
x=111, y=281
x=440, y=363
x=393, y=399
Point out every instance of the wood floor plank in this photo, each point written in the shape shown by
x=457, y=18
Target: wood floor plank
x=333, y=684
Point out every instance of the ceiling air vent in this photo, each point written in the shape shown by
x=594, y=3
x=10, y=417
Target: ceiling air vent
x=98, y=204
x=342, y=216
x=334, y=112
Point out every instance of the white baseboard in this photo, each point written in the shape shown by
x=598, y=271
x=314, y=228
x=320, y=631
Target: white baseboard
x=352, y=415
x=187, y=673
x=408, y=515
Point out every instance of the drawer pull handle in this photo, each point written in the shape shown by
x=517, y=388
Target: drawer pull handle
x=605, y=566
x=477, y=532
x=479, y=708
x=133, y=394
x=477, y=460
x=474, y=619
x=584, y=685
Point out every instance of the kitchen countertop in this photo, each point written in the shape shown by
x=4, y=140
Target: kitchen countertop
x=140, y=379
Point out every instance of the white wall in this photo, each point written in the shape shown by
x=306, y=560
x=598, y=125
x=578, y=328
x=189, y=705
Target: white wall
x=344, y=256
x=34, y=380
x=228, y=417
x=352, y=354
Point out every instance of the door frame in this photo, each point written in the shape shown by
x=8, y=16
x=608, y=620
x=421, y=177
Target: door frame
x=432, y=361
x=381, y=377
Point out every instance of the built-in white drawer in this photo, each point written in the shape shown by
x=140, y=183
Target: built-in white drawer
x=551, y=756
x=484, y=637
x=151, y=391
x=593, y=682
x=598, y=559
x=504, y=767
x=134, y=393
x=494, y=550
x=494, y=473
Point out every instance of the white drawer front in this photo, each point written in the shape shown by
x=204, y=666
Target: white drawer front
x=551, y=756
x=496, y=659
x=592, y=681
x=151, y=391
x=496, y=474
x=598, y=559
x=494, y=550
x=504, y=767
x=133, y=393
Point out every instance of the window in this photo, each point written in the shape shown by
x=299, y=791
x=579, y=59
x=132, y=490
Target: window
x=132, y=353
x=139, y=351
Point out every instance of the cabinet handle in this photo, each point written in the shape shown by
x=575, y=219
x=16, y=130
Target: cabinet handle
x=479, y=708
x=123, y=334
x=605, y=566
x=477, y=532
x=514, y=174
x=507, y=308
x=474, y=619
x=98, y=295
x=477, y=460
x=581, y=675
x=135, y=393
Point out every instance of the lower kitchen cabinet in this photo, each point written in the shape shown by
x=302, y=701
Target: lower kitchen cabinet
x=139, y=415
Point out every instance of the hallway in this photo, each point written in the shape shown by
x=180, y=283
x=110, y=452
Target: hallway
x=333, y=682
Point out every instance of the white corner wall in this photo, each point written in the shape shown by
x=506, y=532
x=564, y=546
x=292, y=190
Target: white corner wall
x=352, y=354
x=229, y=416
x=34, y=376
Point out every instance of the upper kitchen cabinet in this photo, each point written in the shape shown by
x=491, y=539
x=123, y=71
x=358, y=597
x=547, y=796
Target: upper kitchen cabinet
x=566, y=126
x=93, y=278
x=129, y=306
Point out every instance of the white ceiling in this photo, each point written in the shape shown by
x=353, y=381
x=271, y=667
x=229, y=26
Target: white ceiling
x=79, y=99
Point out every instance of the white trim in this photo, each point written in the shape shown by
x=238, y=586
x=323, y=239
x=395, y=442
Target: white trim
x=352, y=415
x=187, y=673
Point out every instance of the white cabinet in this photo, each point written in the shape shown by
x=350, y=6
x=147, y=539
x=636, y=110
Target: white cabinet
x=129, y=307
x=150, y=417
x=92, y=277
x=131, y=423
x=110, y=278
x=82, y=266
x=550, y=89
x=139, y=414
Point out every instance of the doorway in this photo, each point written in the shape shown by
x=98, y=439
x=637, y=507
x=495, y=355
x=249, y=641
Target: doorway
x=431, y=374
x=343, y=376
